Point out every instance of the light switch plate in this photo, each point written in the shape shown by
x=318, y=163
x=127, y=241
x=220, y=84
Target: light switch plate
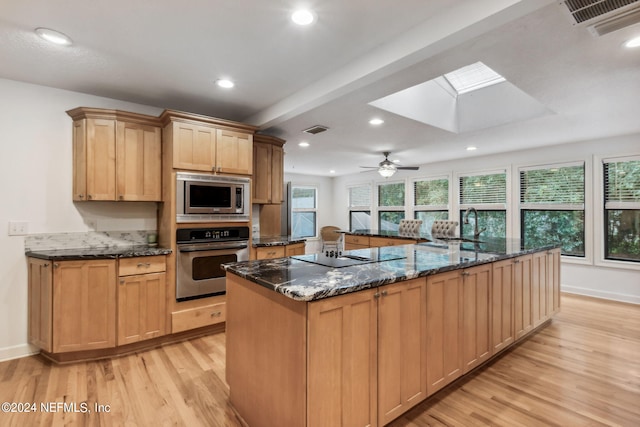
x=18, y=228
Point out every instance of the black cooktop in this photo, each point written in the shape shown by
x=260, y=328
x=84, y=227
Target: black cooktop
x=344, y=260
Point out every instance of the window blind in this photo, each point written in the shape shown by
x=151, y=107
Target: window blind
x=560, y=187
x=483, y=189
x=360, y=196
x=431, y=193
x=622, y=184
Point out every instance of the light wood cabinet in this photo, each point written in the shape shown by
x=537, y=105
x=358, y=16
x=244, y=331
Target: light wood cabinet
x=78, y=301
x=539, y=288
x=294, y=249
x=502, y=333
x=444, y=323
x=270, y=252
x=116, y=155
x=141, y=299
x=522, y=301
x=201, y=143
x=476, y=316
x=138, y=162
x=355, y=242
x=198, y=317
x=268, y=169
x=40, y=303
x=342, y=365
x=402, y=348
x=553, y=262
x=377, y=242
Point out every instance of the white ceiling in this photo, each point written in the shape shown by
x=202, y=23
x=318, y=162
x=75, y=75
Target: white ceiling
x=168, y=54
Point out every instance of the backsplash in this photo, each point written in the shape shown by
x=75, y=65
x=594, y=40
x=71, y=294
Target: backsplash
x=88, y=240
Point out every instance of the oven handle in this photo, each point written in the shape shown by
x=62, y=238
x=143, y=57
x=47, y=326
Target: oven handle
x=212, y=246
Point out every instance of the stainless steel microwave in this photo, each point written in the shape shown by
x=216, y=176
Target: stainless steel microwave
x=206, y=198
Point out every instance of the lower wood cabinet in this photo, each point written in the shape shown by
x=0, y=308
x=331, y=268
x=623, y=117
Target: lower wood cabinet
x=522, y=292
x=278, y=251
x=377, y=242
x=295, y=249
x=141, y=299
x=355, y=242
x=476, y=316
x=83, y=305
x=502, y=313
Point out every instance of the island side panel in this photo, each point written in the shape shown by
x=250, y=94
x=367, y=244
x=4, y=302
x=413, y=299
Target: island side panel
x=266, y=354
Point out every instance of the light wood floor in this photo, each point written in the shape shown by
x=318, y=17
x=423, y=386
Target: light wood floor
x=581, y=370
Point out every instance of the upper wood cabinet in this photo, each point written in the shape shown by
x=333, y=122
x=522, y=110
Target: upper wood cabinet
x=116, y=155
x=268, y=169
x=207, y=144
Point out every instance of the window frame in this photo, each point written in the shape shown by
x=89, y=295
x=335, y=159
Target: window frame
x=359, y=208
x=416, y=209
x=599, y=214
x=460, y=207
x=306, y=210
x=560, y=207
x=382, y=209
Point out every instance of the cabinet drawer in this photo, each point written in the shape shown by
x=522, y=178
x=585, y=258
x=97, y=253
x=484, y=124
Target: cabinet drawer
x=377, y=242
x=269, y=252
x=356, y=240
x=198, y=317
x=142, y=265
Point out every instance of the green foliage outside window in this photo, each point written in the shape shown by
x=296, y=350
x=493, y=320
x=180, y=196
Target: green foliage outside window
x=391, y=194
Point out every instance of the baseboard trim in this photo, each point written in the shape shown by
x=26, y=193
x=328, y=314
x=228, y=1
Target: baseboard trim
x=17, y=352
x=614, y=296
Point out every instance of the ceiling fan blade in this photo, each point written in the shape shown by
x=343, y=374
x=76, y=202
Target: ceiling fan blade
x=408, y=168
x=370, y=167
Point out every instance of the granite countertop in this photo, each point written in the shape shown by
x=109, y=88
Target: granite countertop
x=389, y=233
x=302, y=278
x=98, y=253
x=276, y=241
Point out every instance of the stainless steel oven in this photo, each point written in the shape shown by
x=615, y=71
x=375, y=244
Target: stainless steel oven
x=201, y=253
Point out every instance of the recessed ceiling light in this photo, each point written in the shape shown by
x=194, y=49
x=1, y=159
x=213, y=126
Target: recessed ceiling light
x=376, y=121
x=332, y=171
x=225, y=83
x=471, y=148
x=634, y=42
x=53, y=36
x=303, y=17
x=303, y=144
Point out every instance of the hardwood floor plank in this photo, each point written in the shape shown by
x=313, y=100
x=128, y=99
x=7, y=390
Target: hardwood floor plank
x=583, y=369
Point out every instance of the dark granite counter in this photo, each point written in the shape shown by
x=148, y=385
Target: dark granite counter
x=389, y=233
x=312, y=277
x=98, y=253
x=276, y=241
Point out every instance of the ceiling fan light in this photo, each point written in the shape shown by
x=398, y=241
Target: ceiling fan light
x=387, y=171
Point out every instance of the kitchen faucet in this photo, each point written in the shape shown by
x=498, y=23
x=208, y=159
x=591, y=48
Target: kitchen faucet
x=476, y=233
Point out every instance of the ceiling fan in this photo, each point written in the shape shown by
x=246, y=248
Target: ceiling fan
x=387, y=168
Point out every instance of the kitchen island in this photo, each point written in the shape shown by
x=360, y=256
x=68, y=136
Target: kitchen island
x=362, y=338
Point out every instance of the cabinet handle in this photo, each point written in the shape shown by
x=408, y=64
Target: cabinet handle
x=46, y=264
x=376, y=295
x=144, y=264
x=384, y=293
x=56, y=265
x=549, y=252
x=464, y=273
x=516, y=261
x=121, y=197
x=122, y=281
x=216, y=314
x=80, y=196
x=89, y=197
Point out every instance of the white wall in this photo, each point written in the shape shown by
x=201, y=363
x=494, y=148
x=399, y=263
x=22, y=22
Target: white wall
x=35, y=186
x=590, y=276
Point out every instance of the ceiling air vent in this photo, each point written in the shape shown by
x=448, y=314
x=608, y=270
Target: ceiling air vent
x=603, y=16
x=313, y=130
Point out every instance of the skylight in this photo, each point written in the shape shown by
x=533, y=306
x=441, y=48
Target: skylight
x=473, y=77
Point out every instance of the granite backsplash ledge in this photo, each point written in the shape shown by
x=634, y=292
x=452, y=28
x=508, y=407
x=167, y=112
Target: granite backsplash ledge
x=86, y=240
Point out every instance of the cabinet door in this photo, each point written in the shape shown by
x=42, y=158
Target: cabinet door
x=476, y=323
x=262, y=173
x=194, y=147
x=295, y=249
x=553, y=267
x=539, y=288
x=40, y=303
x=84, y=305
x=444, y=322
x=138, y=152
x=342, y=365
x=502, y=305
x=101, y=159
x=523, y=319
x=141, y=307
x=402, y=348
x=80, y=160
x=234, y=152
x=277, y=174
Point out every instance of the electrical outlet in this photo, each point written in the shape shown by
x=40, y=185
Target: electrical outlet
x=18, y=228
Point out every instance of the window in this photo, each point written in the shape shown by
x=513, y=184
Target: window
x=390, y=206
x=488, y=195
x=431, y=201
x=303, y=211
x=622, y=209
x=552, y=207
x=360, y=207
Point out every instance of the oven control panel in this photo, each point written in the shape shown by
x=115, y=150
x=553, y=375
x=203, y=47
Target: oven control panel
x=184, y=235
